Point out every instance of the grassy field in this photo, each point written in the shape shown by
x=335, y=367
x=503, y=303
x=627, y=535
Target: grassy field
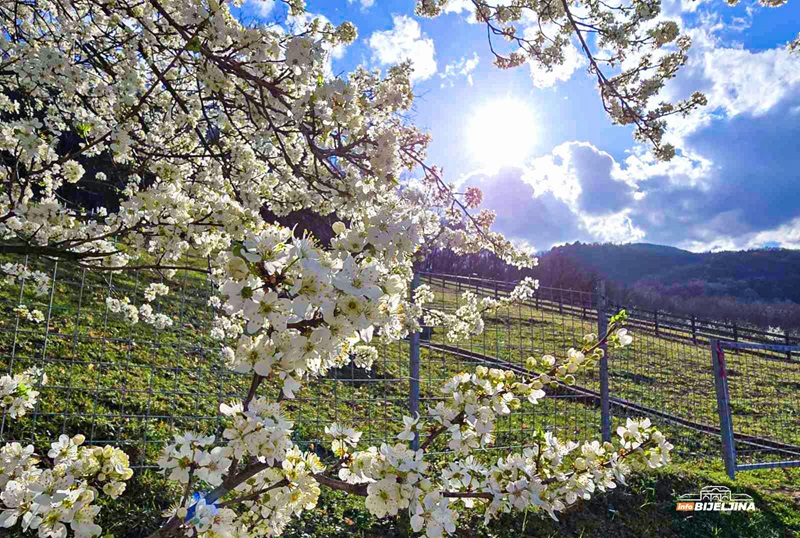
x=663, y=373
x=135, y=387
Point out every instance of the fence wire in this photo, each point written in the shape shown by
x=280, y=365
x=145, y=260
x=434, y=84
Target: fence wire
x=664, y=375
x=764, y=403
x=550, y=324
x=135, y=386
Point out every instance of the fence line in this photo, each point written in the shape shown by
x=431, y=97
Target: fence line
x=730, y=395
x=654, y=320
x=658, y=323
x=665, y=375
x=136, y=386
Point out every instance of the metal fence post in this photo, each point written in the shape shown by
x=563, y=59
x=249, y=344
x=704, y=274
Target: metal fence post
x=602, y=327
x=413, y=369
x=724, y=409
x=786, y=338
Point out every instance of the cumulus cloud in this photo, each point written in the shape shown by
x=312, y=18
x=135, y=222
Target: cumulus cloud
x=734, y=183
x=262, y=7
x=676, y=7
x=460, y=68
x=736, y=179
x=737, y=188
x=736, y=81
x=365, y=4
x=540, y=218
x=583, y=176
x=467, y=7
x=744, y=82
x=575, y=193
x=460, y=6
x=613, y=228
x=544, y=78
x=405, y=41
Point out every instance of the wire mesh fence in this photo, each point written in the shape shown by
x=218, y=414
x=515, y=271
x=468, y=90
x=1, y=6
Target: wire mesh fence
x=669, y=380
x=665, y=374
x=127, y=385
x=550, y=324
x=135, y=385
x=757, y=395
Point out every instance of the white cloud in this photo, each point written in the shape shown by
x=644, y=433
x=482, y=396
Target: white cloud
x=573, y=60
x=468, y=8
x=365, y=4
x=521, y=214
x=614, y=228
x=576, y=192
x=262, y=7
x=685, y=170
x=405, y=41
x=672, y=8
x=733, y=185
x=745, y=82
x=694, y=202
x=579, y=174
x=786, y=235
x=737, y=82
x=463, y=67
x=458, y=6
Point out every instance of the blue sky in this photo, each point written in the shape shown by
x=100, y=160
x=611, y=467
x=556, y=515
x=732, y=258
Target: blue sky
x=735, y=183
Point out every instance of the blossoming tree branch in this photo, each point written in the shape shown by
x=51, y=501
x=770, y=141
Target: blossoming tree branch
x=632, y=51
x=149, y=134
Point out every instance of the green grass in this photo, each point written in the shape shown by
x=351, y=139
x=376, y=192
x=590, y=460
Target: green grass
x=645, y=508
x=661, y=373
x=135, y=387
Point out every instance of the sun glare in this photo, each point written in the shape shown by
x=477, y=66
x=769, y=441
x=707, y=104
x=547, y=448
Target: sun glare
x=501, y=132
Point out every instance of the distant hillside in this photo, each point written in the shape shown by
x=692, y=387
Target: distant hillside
x=769, y=275
x=757, y=287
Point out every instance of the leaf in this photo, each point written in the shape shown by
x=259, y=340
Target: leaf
x=193, y=45
x=83, y=129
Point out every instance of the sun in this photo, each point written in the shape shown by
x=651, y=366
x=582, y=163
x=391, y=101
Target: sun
x=501, y=132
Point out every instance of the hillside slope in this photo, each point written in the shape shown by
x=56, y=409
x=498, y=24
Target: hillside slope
x=765, y=275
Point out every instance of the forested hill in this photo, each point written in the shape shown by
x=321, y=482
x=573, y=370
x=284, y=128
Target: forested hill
x=770, y=275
